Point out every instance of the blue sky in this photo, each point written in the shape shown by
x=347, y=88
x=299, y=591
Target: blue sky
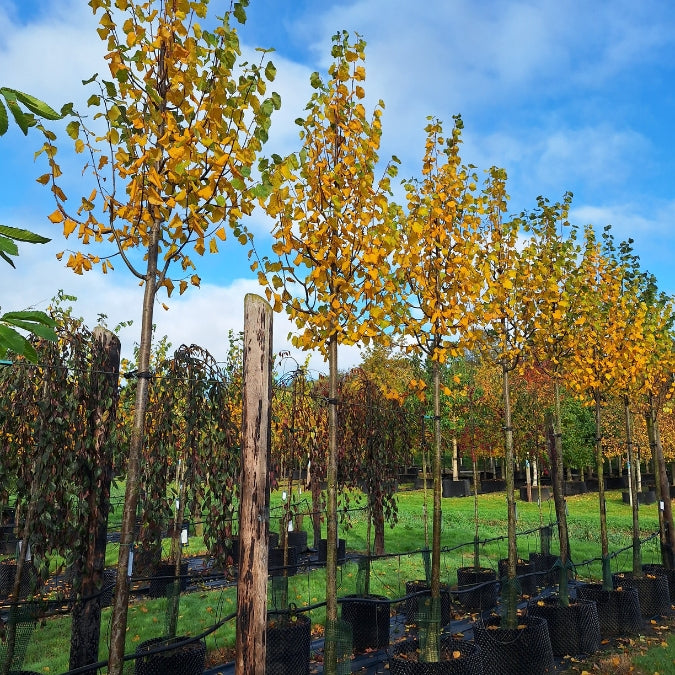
x=571, y=96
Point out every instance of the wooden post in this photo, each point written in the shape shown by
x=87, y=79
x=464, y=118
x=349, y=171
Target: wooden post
x=255, y=487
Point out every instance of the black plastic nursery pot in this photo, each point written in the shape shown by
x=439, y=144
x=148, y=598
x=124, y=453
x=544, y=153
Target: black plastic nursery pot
x=477, y=588
x=323, y=549
x=457, y=657
x=525, y=650
x=618, y=609
x=525, y=573
x=544, y=565
x=369, y=617
x=653, y=568
x=275, y=561
x=29, y=579
x=456, y=488
x=163, y=579
x=417, y=605
x=645, y=498
x=288, y=645
x=573, y=629
x=492, y=485
x=652, y=590
x=187, y=659
x=298, y=538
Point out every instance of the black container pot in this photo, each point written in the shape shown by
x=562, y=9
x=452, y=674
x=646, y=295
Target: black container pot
x=298, y=538
x=545, y=493
x=341, y=551
x=468, y=662
x=492, y=485
x=645, y=497
x=544, y=564
x=616, y=482
x=575, y=487
x=456, y=488
x=520, y=651
x=525, y=573
x=574, y=629
x=477, y=588
x=652, y=590
x=288, y=643
x=162, y=581
x=618, y=610
x=369, y=617
x=275, y=561
x=29, y=579
x=661, y=570
x=421, y=604
x=187, y=659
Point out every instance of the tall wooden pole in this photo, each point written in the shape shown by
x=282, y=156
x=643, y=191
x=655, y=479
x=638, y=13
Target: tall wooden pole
x=255, y=488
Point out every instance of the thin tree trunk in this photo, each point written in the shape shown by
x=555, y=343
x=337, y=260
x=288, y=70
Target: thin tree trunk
x=512, y=596
x=255, y=489
x=118, y=628
x=666, y=527
x=600, y=462
x=330, y=651
x=637, y=554
x=559, y=497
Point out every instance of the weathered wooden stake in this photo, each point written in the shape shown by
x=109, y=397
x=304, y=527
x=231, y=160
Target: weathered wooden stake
x=255, y=487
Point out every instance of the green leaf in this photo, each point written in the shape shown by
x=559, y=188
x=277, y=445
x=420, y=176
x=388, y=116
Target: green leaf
x=36, y=106
x=35, y=328
x=315, y=80
x=10, y=340
x=7, y=259
x=23, y=235
x=239, y=12
x=4, y=121
x=8, y=246
x=34, y=315
x=73, y=129
x=270, y=71
x=23, y=120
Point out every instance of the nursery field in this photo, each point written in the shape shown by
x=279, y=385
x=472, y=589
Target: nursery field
x=211, y=596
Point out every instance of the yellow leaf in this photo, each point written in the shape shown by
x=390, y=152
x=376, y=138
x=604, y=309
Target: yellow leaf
x=195, y=280
x=213, y=247
x=44, y=178
x=68, y=227
x=79, y=145
x=56, y=217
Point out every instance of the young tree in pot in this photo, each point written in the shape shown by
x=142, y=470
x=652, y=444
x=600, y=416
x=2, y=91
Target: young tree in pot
x=333, y=236
x=184, y=126
x=220, y=451
x=438, y=282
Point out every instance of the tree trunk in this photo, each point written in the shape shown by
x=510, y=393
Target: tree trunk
x=432, y=653
x=637, y=554
x=118, y=628
x=600, y=461
x=559, y=496
x=330, y=651
x=90, y=562
x=666, y=528
x=509, y=464
x=255, y=488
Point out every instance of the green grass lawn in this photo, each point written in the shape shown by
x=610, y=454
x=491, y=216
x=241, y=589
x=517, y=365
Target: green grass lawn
x=48, y=651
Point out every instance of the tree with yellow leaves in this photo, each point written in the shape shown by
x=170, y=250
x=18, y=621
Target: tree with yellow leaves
x=439, y=283
x=591, y=369
x=182, y=122
x=552, y=253
x=503, y=326
x=333, y=236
